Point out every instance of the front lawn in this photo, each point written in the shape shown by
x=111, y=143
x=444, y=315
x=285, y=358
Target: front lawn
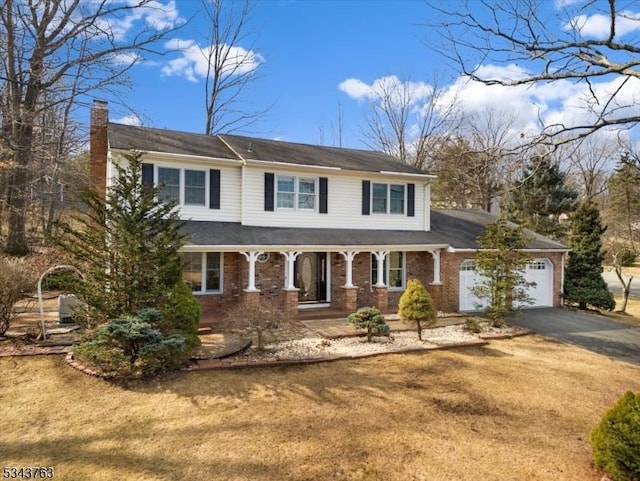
x=516, y=409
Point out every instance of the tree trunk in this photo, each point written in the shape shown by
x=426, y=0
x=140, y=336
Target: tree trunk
x=626, y=289
x=17, y=207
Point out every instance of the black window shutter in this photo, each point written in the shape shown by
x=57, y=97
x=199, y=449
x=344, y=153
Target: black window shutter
x=366, y=197
x=268, y=191
x=147, y=175
x=323, y=195
x=411, y=200
x=214, y=189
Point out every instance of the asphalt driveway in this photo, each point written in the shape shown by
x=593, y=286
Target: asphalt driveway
x=591, y=331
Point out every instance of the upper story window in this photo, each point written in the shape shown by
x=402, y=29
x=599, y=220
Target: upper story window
x=387, y=198
x=187, y=187
x=296, y=192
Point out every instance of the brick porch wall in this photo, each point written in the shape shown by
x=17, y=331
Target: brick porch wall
x=419, y=265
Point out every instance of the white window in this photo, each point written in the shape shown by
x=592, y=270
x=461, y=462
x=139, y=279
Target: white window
x=387, y=198
x=393, y=273
x=194, y=187
x=468, y=265
x=187, y=187
x=170, y=181
x=202, y=271
x=536, y=266
x=296, y=193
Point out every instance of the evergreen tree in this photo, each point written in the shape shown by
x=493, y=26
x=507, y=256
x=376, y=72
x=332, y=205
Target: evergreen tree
x=622, y=208
x=541, y=196
x=584, y=284
x=501, y=263
x=127, y=245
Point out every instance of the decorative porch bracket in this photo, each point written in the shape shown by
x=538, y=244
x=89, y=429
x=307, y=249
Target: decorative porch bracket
x=436, y=267
x=348, y=257
x=380, y=257
x=252, y=257
x=290, y=257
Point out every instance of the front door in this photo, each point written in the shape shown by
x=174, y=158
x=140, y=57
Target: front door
x=311, y=277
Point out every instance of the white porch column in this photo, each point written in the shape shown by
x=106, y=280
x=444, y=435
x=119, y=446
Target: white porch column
x=251, y=257
x=348, y=257
x=291, y=259
x=436, y=267
x=380, y=256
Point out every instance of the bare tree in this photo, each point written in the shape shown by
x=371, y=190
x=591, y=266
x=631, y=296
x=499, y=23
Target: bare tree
x=54, y=52
x=409, y=120
x=477, y=166
x=539, y=43
x=590, y=161
x=230, y=68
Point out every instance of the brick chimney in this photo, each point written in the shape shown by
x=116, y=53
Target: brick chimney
x=98, y=146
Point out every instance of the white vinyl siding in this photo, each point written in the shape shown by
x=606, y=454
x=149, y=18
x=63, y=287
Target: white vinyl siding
x=344, y=199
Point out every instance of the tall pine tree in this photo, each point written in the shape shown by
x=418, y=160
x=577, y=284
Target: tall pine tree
x=127, y=245
x=584, y=284
x=541, y=196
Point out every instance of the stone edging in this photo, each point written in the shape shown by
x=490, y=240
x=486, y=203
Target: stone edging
x=218, y=364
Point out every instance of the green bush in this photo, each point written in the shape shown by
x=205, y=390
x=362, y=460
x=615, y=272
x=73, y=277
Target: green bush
x=472, y=324
x=181, y=314
x=371, y=319
x=616, y=439
x=132, y=347
x=416, y=306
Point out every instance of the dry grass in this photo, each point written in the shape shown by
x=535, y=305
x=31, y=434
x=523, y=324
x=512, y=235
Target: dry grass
x=515, y=410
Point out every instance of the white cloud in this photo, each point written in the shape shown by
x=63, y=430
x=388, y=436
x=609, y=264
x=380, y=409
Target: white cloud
x=131, y=119
x=527, y=108
x=192, y=61
x=598, y=25
x=396, y=90
x=566, y=3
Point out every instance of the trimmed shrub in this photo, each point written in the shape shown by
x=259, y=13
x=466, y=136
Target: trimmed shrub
x=371, y=319
x=181, y=314
x=616, y=440
x=472, y=324
x=416, y=306
x=131, y=347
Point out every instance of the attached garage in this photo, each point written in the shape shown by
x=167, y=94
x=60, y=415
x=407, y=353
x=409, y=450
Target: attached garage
x=538, y=271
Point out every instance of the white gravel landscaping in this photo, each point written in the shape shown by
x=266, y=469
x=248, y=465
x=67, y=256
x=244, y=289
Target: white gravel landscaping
x=320, y=348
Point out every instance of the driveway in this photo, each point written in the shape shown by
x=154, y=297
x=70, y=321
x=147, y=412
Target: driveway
x=591, y=331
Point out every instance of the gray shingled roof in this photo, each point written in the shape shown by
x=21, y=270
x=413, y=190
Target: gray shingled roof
x=461, y=228
x=130, y=137
x=456, y=228
x=317, y=155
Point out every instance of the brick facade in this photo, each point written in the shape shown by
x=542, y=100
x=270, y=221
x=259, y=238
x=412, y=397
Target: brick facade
x=419, y=265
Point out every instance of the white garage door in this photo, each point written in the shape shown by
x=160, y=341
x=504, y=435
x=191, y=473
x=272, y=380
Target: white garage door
x=539, y=271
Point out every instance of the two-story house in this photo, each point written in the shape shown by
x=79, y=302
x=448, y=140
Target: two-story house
x=309, y=226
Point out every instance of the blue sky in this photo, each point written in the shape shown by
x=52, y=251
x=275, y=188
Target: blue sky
x=319, y=57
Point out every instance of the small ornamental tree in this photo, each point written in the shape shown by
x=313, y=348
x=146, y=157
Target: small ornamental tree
x=17, y=278
x=616, y=440
x=127, y=245
x=371, y=319
x=501, y=262
x=416, y=307
x=257, y=316
x=584, y=284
